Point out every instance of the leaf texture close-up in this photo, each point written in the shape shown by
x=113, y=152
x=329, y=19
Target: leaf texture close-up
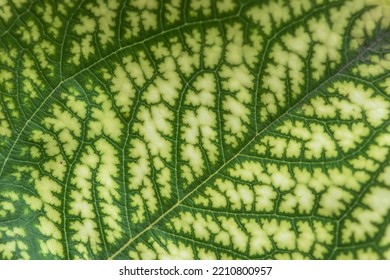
x=194, y=129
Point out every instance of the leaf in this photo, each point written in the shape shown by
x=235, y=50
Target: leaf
x=194, y=129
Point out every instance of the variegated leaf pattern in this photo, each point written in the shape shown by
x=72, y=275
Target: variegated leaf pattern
x=194, y=129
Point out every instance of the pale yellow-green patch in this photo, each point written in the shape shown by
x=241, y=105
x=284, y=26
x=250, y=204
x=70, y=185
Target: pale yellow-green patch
x=385, y=84
x=238, y=50
x=320, y=143
x=385, y=240
x=124, y=91
x=30, y=33
x=50, y=145
x=14, y=247
x=348, y=178
x=345, y=256
x=226, y=193
x=301, y=200
x=206, y=254
x=160, y=50
x=234, y=51
x=52, y=246
x=297, y=129
x=211, y=198
x=5, y=11
x=166, y=86
x=327, y=48
x=231, y=234
x=163, y=249
x=250, y=171
x=138, y=214
x=86, y=232
x=238, y=81
x=367, y=24
x=48, y=190
x=164, y=178
x=324, y=236
x=334, y=201
x=284, y=236
x=225, y=6
x=7, y=207
x=280, y=177
x=51, y=230
x=362, y=162
x=192, y=40
x=140, y=70
x=187, y=53
x=319, y=108
x=212, y=49
x=141, y=168
x=199, y=129
x=238, y=196
x=82, y=49
x=80, y=206
x=384, y=177
x=279, y=147
x=265, y=198
x=306, y=236
x=67, y=127
x=87, y=24
x=74, y=102
x=201, y=227
x=153, y=125
x=141, y=181
x=364, y=220
x=4, y=124
x=52, y=20
x=200, y=8
x=143, y=16
x=7, y=58
x=360, y=254
x=56, y=167
x=367, y=254
x=107, y=190
x=260, y=242
x=83, y=174
x=265, y=16
x=105, y=119
x=362, y=102
x=300, y=7
x=289, y=61
x=6, y=80
x=380, y=64
x=253, y=48
x=106, y=13
x=377, y=153
x=348, y=137
x=10, y=103
x=42, y=50
x=274, y=81
x=172, y=11
x=33, y=202
x=32, y=80
x=290, y=256
x=82, y=252
x=195, y=163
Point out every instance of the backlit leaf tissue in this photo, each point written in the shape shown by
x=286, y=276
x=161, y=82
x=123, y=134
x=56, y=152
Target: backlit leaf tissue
x=195, y=129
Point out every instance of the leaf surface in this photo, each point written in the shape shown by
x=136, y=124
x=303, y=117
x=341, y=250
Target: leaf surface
x=194, y=129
